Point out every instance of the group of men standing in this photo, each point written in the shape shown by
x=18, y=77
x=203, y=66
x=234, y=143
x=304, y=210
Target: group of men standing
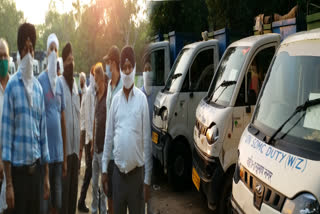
x=44, y=129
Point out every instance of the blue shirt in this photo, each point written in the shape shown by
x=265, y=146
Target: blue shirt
x=23, y=128
x=54, y=105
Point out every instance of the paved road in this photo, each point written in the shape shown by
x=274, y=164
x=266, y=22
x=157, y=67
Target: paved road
x=164, y=200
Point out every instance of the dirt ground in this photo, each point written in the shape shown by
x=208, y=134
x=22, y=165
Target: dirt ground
x=163, y=199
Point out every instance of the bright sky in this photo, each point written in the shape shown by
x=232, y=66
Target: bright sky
x=35, y=10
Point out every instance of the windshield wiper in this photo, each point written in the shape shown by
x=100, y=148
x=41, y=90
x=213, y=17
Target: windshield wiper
x=299, y=108
x=173, y=77
x=223, y=84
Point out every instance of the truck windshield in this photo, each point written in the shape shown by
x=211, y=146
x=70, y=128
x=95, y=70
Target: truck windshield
x=228, y=71
x=293, y=80
x=177, y=70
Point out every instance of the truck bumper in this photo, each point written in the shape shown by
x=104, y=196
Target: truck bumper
x=211, y=174
x=242, y=201
x=160, y=148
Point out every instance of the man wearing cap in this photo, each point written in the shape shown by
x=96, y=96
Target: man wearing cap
x=72, y=118
x=113, y=72
x=128, y=130
x=56, y=129
x=23, y=132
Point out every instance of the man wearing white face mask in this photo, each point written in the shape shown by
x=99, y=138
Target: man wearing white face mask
x=56, y=130
x=128, y=130
x=23, y=132
x=147, y=89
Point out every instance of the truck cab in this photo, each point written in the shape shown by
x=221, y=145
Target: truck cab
x=224, y=112
x=279, y=152
x=174, y=107
x=159, y=54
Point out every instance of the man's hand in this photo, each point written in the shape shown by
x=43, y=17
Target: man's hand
x=46, y=187
x=146, y=193
x=10, y=195
x=104, y=182
x=64, y=168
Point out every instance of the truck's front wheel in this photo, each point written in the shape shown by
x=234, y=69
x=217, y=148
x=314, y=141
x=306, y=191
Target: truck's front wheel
x=224, y=206
x=179, y=166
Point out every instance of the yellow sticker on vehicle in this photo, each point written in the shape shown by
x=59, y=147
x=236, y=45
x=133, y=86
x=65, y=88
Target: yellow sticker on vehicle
x=195, y=179
x=155, y=137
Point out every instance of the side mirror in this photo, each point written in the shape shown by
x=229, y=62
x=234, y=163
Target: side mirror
x=191, y=94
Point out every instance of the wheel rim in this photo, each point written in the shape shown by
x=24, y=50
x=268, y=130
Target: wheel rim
x=179, y=166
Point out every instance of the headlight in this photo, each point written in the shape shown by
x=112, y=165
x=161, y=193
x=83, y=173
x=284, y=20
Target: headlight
x=303, y=204
x=164, y=114
x=212, y=134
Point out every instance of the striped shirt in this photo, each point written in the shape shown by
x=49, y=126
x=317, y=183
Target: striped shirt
x=23, y=128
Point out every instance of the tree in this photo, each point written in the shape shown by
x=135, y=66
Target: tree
x=182, y=16
x=10, y=19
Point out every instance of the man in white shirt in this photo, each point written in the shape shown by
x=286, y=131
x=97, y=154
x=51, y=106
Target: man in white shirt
x=89, y=112
x=72, y=118
x=87, y=147
x=128, y=131
x=4, y=78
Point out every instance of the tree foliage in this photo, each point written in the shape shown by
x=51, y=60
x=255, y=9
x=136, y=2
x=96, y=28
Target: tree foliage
x=197, y=16
x=10, y=19
x=181, y=16
x=93, y=29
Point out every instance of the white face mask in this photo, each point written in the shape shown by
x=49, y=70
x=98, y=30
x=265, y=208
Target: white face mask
x=52, y=70
x=147, y=81
x=128, y=80
x=26, y=67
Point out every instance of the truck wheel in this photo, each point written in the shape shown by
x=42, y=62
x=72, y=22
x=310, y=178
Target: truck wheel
x=179, y=169
x=156, y=170
x=224, y=204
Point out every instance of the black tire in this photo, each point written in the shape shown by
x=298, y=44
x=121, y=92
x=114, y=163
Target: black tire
x=224, y=204
x=179, y=166
x=157, y=171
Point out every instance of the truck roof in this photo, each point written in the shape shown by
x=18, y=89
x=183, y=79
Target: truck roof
x=257, y=40
x=201, y=44
x=301, y=36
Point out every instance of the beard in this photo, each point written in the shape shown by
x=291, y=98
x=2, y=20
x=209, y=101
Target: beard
x=68, y=75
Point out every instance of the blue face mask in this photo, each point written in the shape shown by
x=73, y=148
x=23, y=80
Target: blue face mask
x=109, y=74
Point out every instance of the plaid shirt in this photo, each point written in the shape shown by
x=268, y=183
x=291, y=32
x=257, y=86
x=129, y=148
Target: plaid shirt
x=23, y=128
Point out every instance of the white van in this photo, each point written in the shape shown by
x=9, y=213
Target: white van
x=224, y=113
x=174, y=107
x=279, y=152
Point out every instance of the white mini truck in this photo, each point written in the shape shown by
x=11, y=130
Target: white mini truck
x=279, y=152
x=224, y=113
x=174, y=107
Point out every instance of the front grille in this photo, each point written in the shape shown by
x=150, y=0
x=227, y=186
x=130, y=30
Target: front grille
x=201, y=128
x=269, y=196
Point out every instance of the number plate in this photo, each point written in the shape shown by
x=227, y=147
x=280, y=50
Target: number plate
x=155, y=137
x=195, y=178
